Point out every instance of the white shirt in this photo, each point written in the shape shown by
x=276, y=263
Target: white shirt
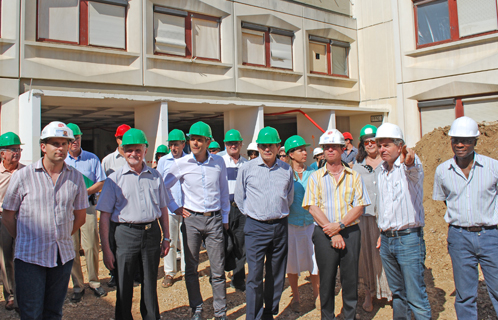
x=163, y=168
x=232, y=170
x=112, y=162
x=204, y=184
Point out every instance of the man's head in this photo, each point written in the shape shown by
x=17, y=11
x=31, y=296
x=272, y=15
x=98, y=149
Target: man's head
x=161, y=151
x=348, y=138
x=54, y=141
x=268, y=144
x=463, y=132
x=233, y=143
x=176, y=143
x=389, y=139
x=332, y=143
x=134, y=147
x=200, y=136
x=10, y=148
x=120, y=131
x=214, y=147
x=75, y=145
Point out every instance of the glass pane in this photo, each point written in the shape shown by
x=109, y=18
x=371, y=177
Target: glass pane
x=106, y=25
x=433, y=22
x=339, y=60
x=318, y=57
x=281, y=51
x=253, y=47
x=476, y=16
x=206, y=38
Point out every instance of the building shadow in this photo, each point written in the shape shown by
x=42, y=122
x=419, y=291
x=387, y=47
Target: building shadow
x=485, y=309
x=437, y=296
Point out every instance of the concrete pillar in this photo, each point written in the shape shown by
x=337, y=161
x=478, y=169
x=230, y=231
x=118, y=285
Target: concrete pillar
x=153, y=120
x=30, y=125
x=248, y=121
x=310, y=133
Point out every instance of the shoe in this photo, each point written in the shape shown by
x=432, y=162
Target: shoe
x=197, y=316
x=112, y=282
x=99, y=292
x=221, y=318
x=167, y=281
x=295, y=306
x=9, y=306
x=76, y=297
x=241, y=288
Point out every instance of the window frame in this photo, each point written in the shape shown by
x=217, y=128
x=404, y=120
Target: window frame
x=329, y=43
x=84, y=19
x=267, y=31
x=453, y=19
x=188, y=31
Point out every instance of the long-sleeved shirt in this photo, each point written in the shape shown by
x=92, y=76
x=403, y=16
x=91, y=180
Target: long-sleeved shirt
x=401, y=194
x=232, y=170
x=204, y=184
x=470, y=201
x=264, y=193
x=176, y=190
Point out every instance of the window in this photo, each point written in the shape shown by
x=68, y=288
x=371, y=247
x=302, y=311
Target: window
x=185, y=34
x=439, y=21
x=266, y=47
x=328, y=56
x=97, y=23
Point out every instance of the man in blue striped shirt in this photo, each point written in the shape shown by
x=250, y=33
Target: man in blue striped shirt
x=468, y=183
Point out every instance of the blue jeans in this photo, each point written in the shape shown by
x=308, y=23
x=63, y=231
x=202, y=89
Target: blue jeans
x=40, y=291
x=403, y=258
x=467, y=250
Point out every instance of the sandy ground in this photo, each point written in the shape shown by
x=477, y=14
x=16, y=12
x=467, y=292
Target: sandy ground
x=433, y=149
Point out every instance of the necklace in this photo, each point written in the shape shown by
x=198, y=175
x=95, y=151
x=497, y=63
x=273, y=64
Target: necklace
x=335, y=174
x=299, y=172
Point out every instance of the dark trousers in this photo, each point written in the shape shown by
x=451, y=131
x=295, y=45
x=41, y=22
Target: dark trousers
x=237, y=223
x=40, y=291
x=328, y=259
x=137, y=250
x=265, y=241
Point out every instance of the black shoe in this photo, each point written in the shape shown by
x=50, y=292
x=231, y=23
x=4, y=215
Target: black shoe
x=221, y=318
x=112, y=282
x=99, y=292
x=197, y=316
x=76, y=297
x=241, y=288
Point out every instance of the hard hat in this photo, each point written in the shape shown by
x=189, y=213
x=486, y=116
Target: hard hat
x=347, y=135
x=121, y=130
x=200, y=129
x=9, y=139
x=268, y=135
x=162, y=149
x=75, y=128
x=176, y=135
x=333, y=136
x=214, y=145
x=389, y=130
x=317, y=151
x=232, y=135
x=464, y=127
x=253, y=146
x=368, y=130
x=295, y=142
x=57, y=129
x=134, y=136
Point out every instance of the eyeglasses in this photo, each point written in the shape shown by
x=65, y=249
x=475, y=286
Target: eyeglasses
x=369, y=142
x=281, y=156
x=14, y=150
x=463, y=140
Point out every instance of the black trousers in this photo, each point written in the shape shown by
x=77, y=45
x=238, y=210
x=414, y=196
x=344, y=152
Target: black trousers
x=266, y=246
x=328, y=259
x=237, y=222
x=136, y=250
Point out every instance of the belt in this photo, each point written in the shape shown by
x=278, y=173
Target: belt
x=139, y=226
x=234, y=204
x=474, y=229
x=206, y=214
x=272, y=221
x=399, y=233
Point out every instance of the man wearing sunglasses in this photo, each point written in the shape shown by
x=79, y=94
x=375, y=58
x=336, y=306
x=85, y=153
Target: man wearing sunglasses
x=468, y=184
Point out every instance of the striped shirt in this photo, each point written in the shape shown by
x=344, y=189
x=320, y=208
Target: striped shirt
x=264, y=193
x=46, y=213
x=232, y=169
x=176, y=190
x=470, y=201
x=335, y=198
x=400, y=195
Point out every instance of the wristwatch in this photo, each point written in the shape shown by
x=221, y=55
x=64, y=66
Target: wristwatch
x=341, y=225
x=167, y=239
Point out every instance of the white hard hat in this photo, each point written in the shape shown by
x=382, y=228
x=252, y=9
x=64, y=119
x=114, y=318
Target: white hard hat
x=389, y=130
x=317, y=151
x=333, y=136
x=252, y=146
x=464, y=127
x=57, y=129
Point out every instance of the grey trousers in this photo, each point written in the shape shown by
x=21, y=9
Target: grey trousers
x=210, y=229
x=7, y=244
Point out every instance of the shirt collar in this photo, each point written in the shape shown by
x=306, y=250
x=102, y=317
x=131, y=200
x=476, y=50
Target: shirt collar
x=78, y=157
x=478, y=160
x=2, y=168
x=127, y=168
x=118, y=155
x=396, y=164
x=262, y=163
x=193, y=159
x=39, y=166
x=324, y=171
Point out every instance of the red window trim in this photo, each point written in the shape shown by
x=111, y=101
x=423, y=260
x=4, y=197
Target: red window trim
x=83, y=28
x=329, y=59
x=454, y=28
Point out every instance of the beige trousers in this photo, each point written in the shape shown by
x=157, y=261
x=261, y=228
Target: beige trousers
x=87, y=238
x=7, y=244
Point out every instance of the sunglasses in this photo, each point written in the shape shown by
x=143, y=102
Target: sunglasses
x=369, y=142
x=463, y=140
x=281, y=156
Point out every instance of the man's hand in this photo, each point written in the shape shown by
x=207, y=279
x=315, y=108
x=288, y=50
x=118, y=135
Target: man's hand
x=182, y=212
x=225, y=225
x=407, y=156
x=109, y=259
x=337, y=242
x=378, y=243
x=164, y=248
x=331, y=228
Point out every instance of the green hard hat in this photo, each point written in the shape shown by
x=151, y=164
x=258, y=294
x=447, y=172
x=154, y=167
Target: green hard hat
x=268, y=135
x=201, y=129
x=176, y=135
x=214, y=145
x=294, y=142
x=368, y=130
x=76, y=130
x=162, y=149
x=9, y=139
x=232, y=135
x=134, y=136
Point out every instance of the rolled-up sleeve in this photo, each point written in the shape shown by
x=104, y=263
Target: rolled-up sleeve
x=361, y=197
x=107, y=198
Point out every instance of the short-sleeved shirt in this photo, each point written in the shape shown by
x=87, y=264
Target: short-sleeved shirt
x=370, y=180
x=298, y=216
x=112, y=162
x=46, y=212
x=349, y=156
x=132, y=197
x=470, y=201
x=176, y=190
x=232, y=170
x=5, y=176
x=335, y=198
x=88, y=164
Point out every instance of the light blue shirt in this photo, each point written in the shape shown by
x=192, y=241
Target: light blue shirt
x=176, y=190
x=314, y=166
x=470, y=201
x=299, y=216
x=88, y=165
x=264, y=193
x=204, y=184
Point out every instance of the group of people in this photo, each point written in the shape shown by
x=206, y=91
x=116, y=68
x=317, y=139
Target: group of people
x=357, y=209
